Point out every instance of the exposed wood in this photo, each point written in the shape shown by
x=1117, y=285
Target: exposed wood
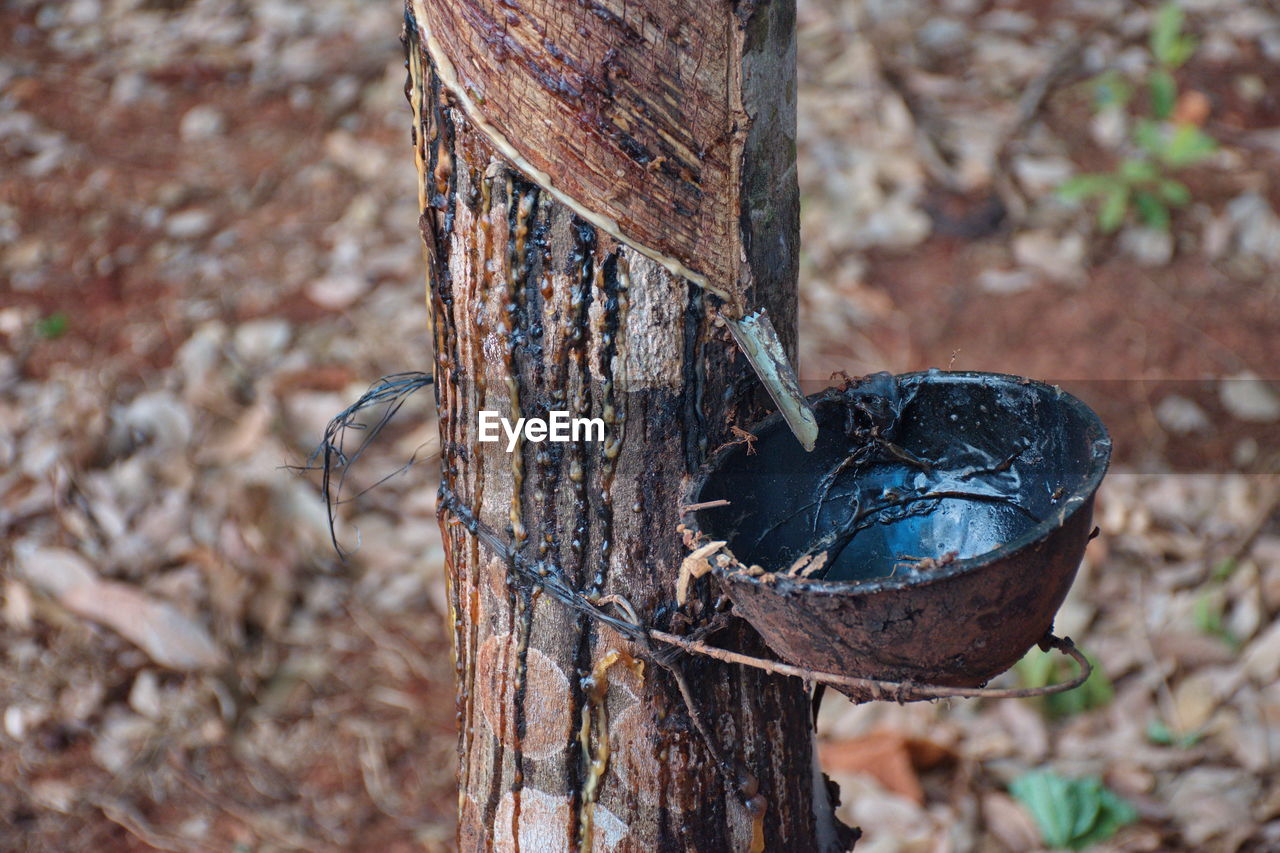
x=566, y=742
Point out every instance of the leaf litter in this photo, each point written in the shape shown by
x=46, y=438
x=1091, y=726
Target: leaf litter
x=185, y=661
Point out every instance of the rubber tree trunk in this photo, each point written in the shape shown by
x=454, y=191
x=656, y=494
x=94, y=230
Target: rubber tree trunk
x=581, y=164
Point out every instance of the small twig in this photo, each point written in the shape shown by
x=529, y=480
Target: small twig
x=622, y=604
x=924, y=564
x=687, y=508
x=902, y=690
x=741, y=436
x=904, y=455
x=999, y=468
x=1063, y=64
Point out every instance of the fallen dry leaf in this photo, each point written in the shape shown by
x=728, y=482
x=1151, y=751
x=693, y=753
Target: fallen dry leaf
x=53, y=570
x=242, y=438
x=1262, y=658
x=891, y=758
x=165, y=633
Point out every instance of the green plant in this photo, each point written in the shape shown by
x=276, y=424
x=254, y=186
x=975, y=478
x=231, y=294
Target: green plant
x=1208, y=612
x=1039, y=669
x=53, y=326
x=1161, y=735
x=1224, y=568
x=1071, y=813
x=1161, y=145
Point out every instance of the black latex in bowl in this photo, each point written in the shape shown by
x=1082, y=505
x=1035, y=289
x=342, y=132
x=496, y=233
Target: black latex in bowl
x=990, y=477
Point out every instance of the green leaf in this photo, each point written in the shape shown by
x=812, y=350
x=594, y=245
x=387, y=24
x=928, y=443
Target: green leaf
x=1114, y=815
x=1173, y=192
x=1161, y=735
x=53, y=326
x=1087, y=801
x=1207, y=613
x=1164, y=93
x=1138, y=171
x=1071, y=813
x=1150, y=137
x=1114, y=207
x=1188, y=145
x=1111, y=89
x=1152, y=210
x=1166, y=34
x=1039, y=669
x=1183, y=49
x=1080, y=187
x=1035, y=669
x=1046, y=796
x=1224, y=569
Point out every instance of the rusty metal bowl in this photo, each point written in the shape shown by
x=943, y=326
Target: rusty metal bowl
x=951, y=538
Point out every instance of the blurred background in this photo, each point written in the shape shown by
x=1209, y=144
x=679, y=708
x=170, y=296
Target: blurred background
x=208, y=249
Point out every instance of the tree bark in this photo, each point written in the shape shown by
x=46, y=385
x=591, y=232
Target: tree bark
x=582, y=164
